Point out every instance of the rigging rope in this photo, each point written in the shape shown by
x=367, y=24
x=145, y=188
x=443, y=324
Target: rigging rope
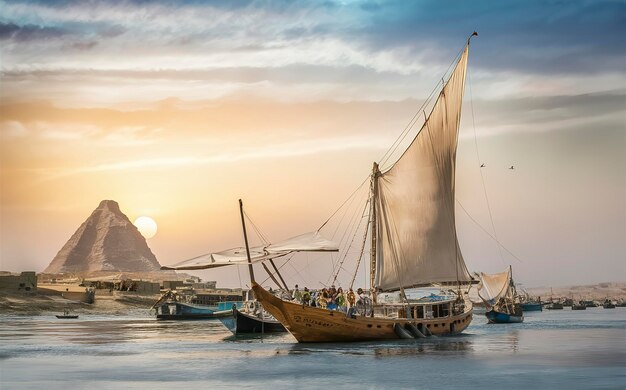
x=346, y=201
x=358, y=264
x=339, y=268
x=279, y=268
x=482, y=178
x=256, y=229
x=485, y=230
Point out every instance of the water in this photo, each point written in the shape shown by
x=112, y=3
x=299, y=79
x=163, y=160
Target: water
x=557, y=349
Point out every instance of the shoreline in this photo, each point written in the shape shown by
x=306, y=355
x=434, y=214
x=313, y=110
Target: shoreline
x=38, y=303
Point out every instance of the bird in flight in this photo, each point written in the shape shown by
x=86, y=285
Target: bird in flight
x=511, y=167
x=482, y=165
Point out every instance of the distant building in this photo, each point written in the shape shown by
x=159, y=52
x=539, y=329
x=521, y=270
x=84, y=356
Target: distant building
x=215, y=297
x=211, y=285
x=140, y=286
x=172, y=284
x=26, y=281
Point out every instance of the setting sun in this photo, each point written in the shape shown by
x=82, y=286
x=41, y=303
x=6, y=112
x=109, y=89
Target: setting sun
x=147, y=226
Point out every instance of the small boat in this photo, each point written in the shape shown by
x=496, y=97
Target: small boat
x=529, y=303
x=608, y=304
x=188, y=311
x=590, y=304
x=496, y=317
x=621, y=304
x=554, y=306
x=580, y=305
x=172, y=306
x=66, y=315
x=251, y=319
x=531, y=306
x=499, y=294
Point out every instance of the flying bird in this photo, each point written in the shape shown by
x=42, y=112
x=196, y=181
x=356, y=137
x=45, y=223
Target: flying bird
x=482, y=165
x=511, y=167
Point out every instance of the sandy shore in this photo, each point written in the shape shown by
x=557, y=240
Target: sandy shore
x=600, y=291
x=106, y=303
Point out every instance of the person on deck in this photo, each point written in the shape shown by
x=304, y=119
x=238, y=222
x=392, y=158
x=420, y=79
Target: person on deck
x=297, y=295
x=351, y=298
x=340, y=300
x=306, y=297
x=323, y=298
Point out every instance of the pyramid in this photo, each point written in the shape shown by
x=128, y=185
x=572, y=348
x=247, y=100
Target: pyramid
x=106, y=241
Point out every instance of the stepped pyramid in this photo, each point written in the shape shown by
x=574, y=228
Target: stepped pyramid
x=106, y=241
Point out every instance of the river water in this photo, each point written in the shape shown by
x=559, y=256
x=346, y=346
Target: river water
x=551, y=349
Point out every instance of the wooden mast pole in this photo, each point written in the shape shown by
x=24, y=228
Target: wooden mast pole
x=375, y=172
x=245, y=238
x=279, y=275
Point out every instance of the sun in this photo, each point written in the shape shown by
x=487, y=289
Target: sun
x=146, y=226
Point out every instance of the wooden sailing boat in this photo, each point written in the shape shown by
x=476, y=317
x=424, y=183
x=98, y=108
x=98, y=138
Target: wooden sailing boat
x=413, y=239
x=499, y=294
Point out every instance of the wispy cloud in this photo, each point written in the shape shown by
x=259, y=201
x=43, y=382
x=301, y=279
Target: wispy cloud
x=277, y=151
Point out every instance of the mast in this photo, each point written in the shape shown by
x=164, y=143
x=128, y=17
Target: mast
x=375, y=172
x=245, y=238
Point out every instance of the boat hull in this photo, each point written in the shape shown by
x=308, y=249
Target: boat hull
x=243, y=323
x=315, y=325
x=532, y=307
x=194, y=316
x=67, y=317
x=496, y=317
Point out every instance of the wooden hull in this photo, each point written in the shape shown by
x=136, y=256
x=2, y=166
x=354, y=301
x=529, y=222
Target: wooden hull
x=315, y=325
x=496, y=317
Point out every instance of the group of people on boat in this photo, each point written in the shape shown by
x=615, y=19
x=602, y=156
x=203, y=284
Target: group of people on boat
x=330, y=298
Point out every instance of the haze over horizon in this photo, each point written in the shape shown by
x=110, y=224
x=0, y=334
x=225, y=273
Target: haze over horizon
x=176, y=109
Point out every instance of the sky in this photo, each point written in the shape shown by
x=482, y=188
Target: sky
x=176, y=109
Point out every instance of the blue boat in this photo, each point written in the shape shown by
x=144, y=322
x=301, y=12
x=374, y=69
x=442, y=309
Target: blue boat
x=187, y=311
x=496, y=317
x=173, y=306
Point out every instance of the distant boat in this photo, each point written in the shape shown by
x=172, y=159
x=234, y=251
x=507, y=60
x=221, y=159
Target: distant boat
x=66, y=315
x=531, y=306
x=608, y=304
x=499, y=294
x=580, y=305
x=621, y=304
x=251, y=319
x=554, y=306
x=590, y=304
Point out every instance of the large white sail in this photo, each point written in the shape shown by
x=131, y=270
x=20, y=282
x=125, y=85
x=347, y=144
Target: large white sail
x=494, y=286
x=416, y=234
x=308, y=242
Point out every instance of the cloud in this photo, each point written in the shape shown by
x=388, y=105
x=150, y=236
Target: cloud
x=29, y=32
